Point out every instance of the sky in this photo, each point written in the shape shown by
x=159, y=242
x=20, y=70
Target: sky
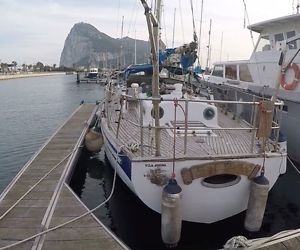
x=35, y=30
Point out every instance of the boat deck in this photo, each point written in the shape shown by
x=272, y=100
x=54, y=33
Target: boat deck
x=44, y=199
x=211, y=144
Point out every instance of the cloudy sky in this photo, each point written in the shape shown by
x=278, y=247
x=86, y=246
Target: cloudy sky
x=35, y=30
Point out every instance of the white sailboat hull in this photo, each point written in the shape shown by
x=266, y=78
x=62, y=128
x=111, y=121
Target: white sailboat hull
x=201, y=203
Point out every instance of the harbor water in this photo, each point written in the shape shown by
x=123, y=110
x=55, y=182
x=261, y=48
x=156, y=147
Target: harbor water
x=31, y=111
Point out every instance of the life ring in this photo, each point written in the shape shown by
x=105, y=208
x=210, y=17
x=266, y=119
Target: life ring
x=292, y=85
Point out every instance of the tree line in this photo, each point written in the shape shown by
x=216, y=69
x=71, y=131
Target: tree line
x=14, y=67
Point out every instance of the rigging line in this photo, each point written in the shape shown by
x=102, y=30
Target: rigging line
x=132, y=21
x=182, y=28
x=135, y=17
x=252, y=39
x=293, y=165
x=165, y=29
x=248, y=20
x=118, y=13
x=293, y=6
x=200, y=31
x=193, y=19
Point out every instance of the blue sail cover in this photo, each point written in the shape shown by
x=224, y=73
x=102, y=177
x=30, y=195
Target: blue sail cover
x=198, y=70
x=163, y=55
x=187, y=59
x=133, y=69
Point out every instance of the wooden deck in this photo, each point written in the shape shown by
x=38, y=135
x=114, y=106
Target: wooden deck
x=291, y=244
x=216, y=143
x=52, y=202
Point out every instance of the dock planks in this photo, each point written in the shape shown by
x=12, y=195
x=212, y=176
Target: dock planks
x=52, y=202
x=284, y=244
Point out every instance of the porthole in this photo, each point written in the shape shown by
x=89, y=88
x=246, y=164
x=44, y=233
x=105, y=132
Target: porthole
x=221, y=180
x=209, y=113
x=161, y=112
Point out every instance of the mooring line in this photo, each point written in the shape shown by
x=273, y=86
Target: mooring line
x=72, y=220
x=38, y=182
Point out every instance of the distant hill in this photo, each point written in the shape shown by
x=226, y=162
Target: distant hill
x=87, y=46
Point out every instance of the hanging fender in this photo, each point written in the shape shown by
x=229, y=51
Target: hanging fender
x=291, y=85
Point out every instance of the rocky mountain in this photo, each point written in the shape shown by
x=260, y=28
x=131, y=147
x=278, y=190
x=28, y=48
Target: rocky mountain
x=87, y=46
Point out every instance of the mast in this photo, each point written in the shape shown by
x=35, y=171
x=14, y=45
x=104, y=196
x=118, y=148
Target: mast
x=121, y=48
x=155, y=79
x=208, y=46
x=153, y=23
x=200, y=31
x=135, y=47
x=174, y=28
x=221, y=47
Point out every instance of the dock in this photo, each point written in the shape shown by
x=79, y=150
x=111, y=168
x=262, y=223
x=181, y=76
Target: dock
x=282, y=241
x=80, y=78
x=38, y=199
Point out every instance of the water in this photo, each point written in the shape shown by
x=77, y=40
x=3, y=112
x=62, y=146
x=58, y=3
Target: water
x=32, y=109
x=139, y=226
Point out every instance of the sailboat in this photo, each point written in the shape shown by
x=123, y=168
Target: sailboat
x=156, y=139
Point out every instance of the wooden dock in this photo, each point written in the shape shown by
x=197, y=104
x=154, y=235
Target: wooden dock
x=288, y=241
x=39, y=198
x=83, y=79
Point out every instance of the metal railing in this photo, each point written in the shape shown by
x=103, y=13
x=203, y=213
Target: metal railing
x=251, y=126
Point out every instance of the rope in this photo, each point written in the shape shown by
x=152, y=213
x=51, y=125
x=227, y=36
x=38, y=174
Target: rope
x=174, y=142
x=241, y=241
x=49, y=172
x=293, y=165
x=279, y=237
x=236, y=242
x=176, y=104
x=252, y=39
x=70, y=221
x=133, y=146
x=182, y=28
x=165, y=27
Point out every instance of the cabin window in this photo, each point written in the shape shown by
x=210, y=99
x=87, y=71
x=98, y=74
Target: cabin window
x=218, y=71
x=278, y=37
x=290, y=34
x=231, y=72
x=245, y=73
x=263, y=44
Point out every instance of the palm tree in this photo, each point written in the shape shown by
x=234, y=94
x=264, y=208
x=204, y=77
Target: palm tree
x=14, y=63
